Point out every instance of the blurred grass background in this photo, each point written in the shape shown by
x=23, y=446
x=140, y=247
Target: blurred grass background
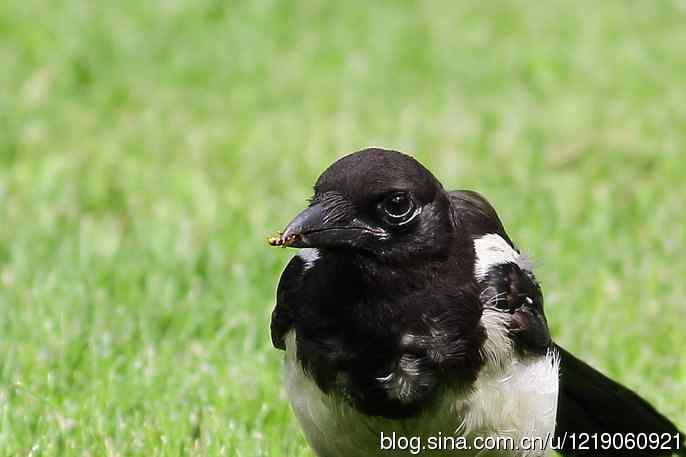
x=148, y=148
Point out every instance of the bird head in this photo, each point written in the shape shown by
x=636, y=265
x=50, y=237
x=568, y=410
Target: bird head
x=375, y=201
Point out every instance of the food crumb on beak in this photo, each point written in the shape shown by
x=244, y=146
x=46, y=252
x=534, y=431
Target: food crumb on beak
x=279, y=240
x=276, y=240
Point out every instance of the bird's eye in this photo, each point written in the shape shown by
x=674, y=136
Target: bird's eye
x=398, y=208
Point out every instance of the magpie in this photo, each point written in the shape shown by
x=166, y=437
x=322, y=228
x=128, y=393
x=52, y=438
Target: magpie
x=408, y=311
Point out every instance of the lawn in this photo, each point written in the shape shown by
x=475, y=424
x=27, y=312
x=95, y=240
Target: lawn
x=148, y=148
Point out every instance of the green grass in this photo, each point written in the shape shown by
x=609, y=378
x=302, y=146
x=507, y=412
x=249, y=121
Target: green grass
x=148, y=148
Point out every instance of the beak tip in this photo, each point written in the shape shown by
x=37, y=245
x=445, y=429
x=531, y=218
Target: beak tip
x=294, y=235
x=276, y=240
x=282, y=240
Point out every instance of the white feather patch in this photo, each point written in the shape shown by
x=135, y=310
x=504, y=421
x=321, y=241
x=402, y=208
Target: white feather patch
x=309, y=256
x=497, y=349
x=492, y=250
x=517, y=399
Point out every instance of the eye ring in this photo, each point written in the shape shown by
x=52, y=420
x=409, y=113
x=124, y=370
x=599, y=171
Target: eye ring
x=398, y=208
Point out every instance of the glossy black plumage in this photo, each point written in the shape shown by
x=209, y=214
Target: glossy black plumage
x=590, y=402
x=385, y=297
x=353, y=322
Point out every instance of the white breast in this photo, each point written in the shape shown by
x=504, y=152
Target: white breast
x=519, y=400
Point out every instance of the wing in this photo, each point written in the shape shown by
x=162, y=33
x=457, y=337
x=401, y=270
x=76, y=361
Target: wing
x=476, y=215
x=283, y=314
x=590, y=402
x=509, y=286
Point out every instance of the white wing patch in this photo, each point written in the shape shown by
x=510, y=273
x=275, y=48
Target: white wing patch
x=513, y=395
x=492, y=250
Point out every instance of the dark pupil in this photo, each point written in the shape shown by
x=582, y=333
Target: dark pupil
x=398, y=206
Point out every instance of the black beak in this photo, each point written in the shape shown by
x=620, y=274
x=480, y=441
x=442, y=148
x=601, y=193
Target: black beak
x=311, y=228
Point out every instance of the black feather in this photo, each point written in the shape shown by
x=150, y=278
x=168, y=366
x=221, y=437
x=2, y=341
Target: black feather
x=406, y=305
x=590, y=402
x=475, y=215
x=289, y=285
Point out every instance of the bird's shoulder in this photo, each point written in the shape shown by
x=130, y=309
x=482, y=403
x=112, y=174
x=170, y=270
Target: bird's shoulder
x=475, y=214
x=288, y=293
x=313, y=291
